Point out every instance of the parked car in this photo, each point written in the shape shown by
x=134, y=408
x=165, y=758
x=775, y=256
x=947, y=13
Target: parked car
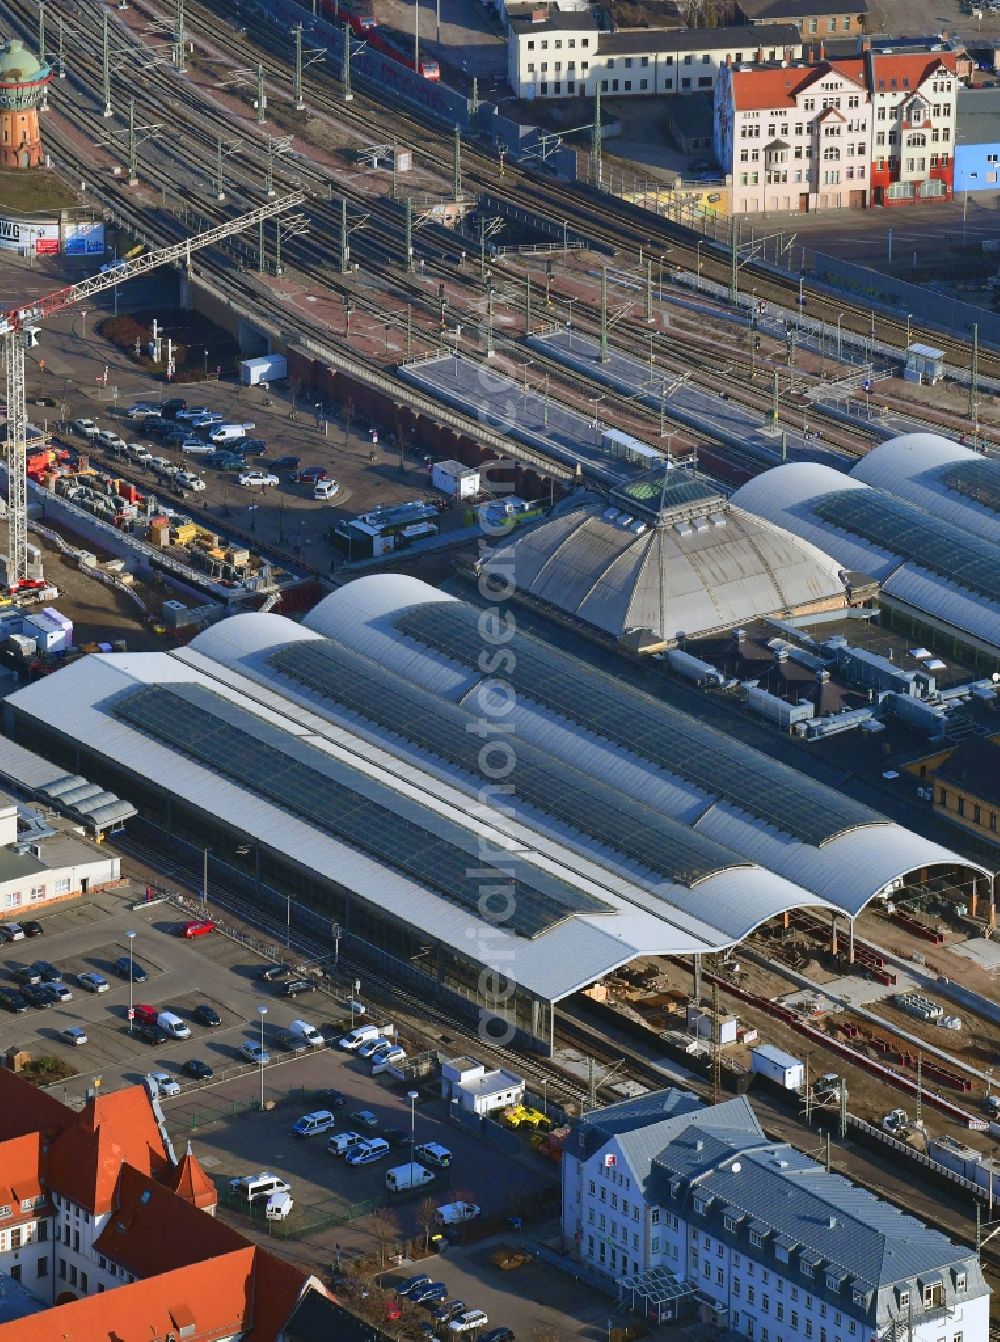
x=365, y=1118
x=164, y=1084
x=62, y=993
x=263, y=479
x=93, y=983
x=12, y=1000
x=432, y=1292
x=189, y=412
x=188, y=480
x=11, y=932
x=74, y=1035
x=194, y=446
x=410, y=1284
x=373, y=1046
x=252, y=447
x=253, y=1052
x=324, y=490
x=448, y=1310
x=32, y=929
x=36, y=996
x=342, y=1143
x=312, y=1125
x=286, y=464
x=173, y=405
x=498, y=1335
x=232, y=465
x=26, y=973
x=396, y=1136
x=151, y=1034
x=469, y=1322
x=310, y=475
x=126, y=968
x=197, y=1070
x=296, y=986
x=108, y=438
x=48, y=971
x=271, y=972
x=291, y=1043
x=206, y=1015
x=86, y=428
x=199, y=928
x=367, y=1152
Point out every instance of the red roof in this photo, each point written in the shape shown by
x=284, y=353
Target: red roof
x=190, y=1182
x=24, y=1108
x=20, y=1174
x=759, y=90
x=217, y=1296
x=909, y=71
x=115, y=1128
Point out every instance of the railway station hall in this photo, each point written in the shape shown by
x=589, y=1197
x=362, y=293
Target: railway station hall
x=489, y=819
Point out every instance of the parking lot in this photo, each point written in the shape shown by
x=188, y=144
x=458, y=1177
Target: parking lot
x=89, y=936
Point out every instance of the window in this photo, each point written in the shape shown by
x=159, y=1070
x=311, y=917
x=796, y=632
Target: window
x=15, y=1239
x=959, y=1286
x=643, y=85
x=654, y=1216
x=730, y=1223
x=43, y=1230
x=43, y=1267
x=72, y=1274
x=795, y=1318
x=756, y=1239
x=750, y=1295
x=736, y=1286
x=779, y=1311
x=977, y=816
x=904, y=1300
x=83, y=1281
x=806, y=1268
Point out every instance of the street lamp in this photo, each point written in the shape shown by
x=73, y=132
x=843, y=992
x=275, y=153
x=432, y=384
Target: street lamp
x=131, y=1013
x=263, y=1013
x=909, y=318
x=205, y=352
x=545, y=1096
x=411, y=1095
x=204, y=879
x=354, y=1000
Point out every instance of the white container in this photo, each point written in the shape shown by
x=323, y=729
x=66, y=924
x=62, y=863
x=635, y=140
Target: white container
x=778, y=1066
x=455, y=480
x=279, y=1206
x=270, y=368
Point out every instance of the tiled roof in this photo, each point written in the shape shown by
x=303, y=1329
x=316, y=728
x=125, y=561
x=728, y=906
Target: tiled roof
x=278, y=1290
x=799, y=9
x=20, y=1172
x=776, y=86
x=909, y=71
x=667, y=40
x=24, y=1108
x=114, y=1128
x=190, y=1182
x=152, y=1230
x=216, y=1296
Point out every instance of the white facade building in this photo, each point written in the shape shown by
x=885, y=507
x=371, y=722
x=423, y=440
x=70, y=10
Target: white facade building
x=556, y=52
x=41, y=864
x=794, y=137
x=673, y=1200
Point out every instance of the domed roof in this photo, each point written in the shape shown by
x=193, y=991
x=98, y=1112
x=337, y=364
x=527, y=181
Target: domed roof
x=18, y=65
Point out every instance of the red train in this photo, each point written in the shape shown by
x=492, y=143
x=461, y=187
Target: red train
x=360, y=14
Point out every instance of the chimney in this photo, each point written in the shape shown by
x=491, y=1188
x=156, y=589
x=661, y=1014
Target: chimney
x=822, y=51
x=760, y=55
x=729, y=58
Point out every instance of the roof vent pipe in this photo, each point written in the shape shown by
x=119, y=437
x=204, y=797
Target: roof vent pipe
x=832, y=1223
x=699, y=1145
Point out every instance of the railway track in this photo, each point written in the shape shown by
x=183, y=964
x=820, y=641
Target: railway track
x=381, y=244
x=621, y=227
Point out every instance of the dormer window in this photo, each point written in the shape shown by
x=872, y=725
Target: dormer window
x=959, y=1281
x=756, y=1239
x=806, y=1268
x=700, y=1205
x=904, y=1300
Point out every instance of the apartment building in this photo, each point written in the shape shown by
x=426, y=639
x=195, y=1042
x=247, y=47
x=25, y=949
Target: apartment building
x=914, y=96
x=105, y=1233
x=553, y=52
x=794, y=137
x=688, y=1208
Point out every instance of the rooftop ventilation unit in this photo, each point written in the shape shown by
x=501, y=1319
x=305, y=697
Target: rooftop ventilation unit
x=718, y=519
x=684, y=528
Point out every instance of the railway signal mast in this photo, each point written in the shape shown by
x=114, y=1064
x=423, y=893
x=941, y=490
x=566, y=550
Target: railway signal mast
x=20, y=329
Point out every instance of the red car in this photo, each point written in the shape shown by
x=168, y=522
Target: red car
x=145, y=1015
x=199, y=929
x=310, y=475
x=393, y=1313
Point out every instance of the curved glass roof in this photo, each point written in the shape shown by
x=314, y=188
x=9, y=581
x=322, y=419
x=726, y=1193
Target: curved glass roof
x=978, y=480
x=664, y=846
x=327, y=793
x=916, y=535
x=781, y=797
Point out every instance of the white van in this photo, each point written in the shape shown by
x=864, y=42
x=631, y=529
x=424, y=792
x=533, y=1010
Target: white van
x=311, y=1125
x=361, y=1035
x=253, y=1187
x=405, y=1177
x=341, y=1143
x=323, y=490
x=307, y=1032
x=229, y=433
x=173, y=1025
x=279, y=1206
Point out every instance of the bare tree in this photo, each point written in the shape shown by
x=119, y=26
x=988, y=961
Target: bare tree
x=385, y=1230
x=425, y=1219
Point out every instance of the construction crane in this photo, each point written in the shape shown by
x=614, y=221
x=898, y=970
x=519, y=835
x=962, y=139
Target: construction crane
x=20, y=329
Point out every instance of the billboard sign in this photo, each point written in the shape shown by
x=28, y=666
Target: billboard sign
x=22, y=235
x=84, y=238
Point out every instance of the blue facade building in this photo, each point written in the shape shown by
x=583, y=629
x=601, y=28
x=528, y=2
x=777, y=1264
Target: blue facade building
x=977, y=140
